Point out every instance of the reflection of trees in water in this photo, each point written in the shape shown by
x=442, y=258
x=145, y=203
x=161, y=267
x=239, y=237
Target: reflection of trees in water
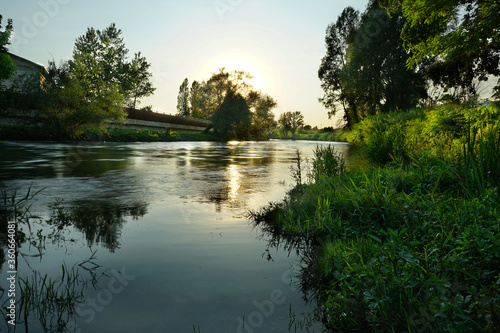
x=310, y=278
x=226, y=172
x=48, y=300
x=51, y=299
x=100, y=221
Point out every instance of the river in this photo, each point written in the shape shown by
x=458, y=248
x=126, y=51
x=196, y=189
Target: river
x=151, y=237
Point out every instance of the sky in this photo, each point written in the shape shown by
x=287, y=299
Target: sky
x=279, y=42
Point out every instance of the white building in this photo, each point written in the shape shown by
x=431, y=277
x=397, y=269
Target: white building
x=24, y=66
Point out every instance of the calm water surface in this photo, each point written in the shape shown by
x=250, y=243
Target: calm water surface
x=173, y=250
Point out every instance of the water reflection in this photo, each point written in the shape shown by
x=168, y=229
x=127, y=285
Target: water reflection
x=99, y=221
x=168, y=212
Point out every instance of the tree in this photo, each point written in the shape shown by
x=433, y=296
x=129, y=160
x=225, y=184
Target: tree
x=217, y=86
x=137, y=80
x=262, y=114
x=205, y=100
x=337, y=38
x=69, y=109
x=233, y=118
x=100, y=58
x=7, y=68
x=457, y=41
x=197, y=101
x=376, y=70
x=364, y=70
x=291, y=121
x=6, y=34
x=183, y=99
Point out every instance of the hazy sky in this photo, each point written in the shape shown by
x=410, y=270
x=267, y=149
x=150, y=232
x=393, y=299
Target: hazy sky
x=279, y=42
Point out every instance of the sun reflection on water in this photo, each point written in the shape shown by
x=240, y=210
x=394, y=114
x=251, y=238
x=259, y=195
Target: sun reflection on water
x=234, y=182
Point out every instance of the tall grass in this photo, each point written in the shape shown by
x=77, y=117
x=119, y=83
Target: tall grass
x=53, y=300
x=411, y=246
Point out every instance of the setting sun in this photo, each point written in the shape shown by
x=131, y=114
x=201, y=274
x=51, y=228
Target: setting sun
x=241, y=62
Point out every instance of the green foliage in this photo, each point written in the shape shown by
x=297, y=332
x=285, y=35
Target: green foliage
x=70, y=108
x=183, y=107
x=291, y=121
x=100, y=59
x=5, y=35
x=233, y=118
x=133, y=135
x=458, y=41
x=136, y=82
x=364, y=70
x=336, y=135
x=327, y=162
x=412, y=246
x=393, y=252
x=442, y=131
x=7, y=68
x=204, y=100
x=384, y=137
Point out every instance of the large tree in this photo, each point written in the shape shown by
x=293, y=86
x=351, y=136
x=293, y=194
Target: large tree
x=375, y=70
x=205, y=100
x=338, y=35
x=100, y=58
x=197, y=100
x=457, y=41
x=233, y=117
x=70, y=110
x=290, y=121
x=364, y=71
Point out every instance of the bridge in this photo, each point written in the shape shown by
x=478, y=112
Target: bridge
x=136, y=119
x=147, y=120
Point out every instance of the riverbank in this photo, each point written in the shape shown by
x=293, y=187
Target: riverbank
x=325, y=134
x=411, y=243
x=111, y=135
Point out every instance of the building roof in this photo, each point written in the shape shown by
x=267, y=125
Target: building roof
x=15, y=58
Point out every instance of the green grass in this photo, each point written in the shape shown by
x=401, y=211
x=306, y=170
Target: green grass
x=410, y=244
x=53, y=300
x=332, y=135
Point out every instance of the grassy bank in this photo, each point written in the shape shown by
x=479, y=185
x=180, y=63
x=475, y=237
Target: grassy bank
x=328, y=134
x=8, y=132
x=411, y=244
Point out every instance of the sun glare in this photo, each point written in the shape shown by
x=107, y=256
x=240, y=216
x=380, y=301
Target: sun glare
x=241, y=62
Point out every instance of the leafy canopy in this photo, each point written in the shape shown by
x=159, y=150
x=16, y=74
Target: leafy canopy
x=7, y=68
x=68, y=108
x=100, y=58
x=219, y=99
x=364, y=70
x=457, y=40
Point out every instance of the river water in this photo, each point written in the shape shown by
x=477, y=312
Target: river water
x=151, y=237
